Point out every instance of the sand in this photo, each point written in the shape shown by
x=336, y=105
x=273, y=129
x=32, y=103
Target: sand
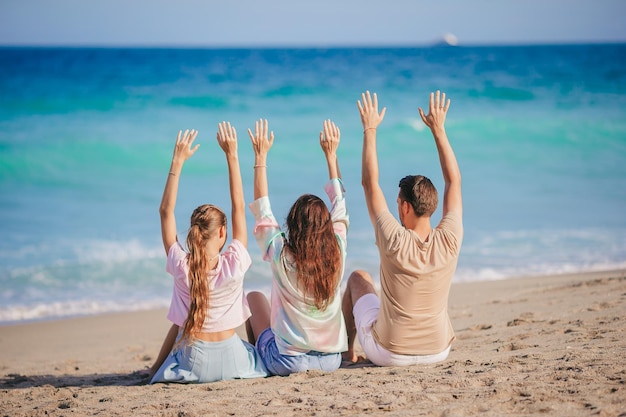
x=553, y=346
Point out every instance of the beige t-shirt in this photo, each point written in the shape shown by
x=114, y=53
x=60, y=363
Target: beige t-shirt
x=415, y=279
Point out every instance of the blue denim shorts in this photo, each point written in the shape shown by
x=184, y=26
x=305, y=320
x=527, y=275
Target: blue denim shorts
x=283, y=365
x=203, y=361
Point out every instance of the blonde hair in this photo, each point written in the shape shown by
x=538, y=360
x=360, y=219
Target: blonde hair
x=205, y=222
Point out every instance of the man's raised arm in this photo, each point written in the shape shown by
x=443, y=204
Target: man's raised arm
x=370, y=118
x=435, y=120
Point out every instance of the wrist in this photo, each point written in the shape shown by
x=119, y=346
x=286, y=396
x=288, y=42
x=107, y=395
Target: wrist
x=438, y=130
x=365, y=129
x=176, y=166
x=232, y=157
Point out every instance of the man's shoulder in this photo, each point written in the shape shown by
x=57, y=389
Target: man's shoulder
x=451, y=220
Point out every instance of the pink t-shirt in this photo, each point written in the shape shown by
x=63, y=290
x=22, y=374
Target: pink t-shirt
x=228, y=308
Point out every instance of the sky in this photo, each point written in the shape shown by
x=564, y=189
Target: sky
x=224, y=23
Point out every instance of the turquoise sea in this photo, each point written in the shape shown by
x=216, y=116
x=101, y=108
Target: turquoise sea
x=86, y=137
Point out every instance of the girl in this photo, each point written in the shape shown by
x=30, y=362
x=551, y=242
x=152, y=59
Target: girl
x=207, y=301
x=304, y=327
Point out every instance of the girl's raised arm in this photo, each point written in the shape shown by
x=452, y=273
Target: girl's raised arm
x=329, y=141
x=182, y=152
x=261, y=144
x=227, y=139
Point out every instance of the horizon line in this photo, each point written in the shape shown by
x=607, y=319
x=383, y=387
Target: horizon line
x=433, y=44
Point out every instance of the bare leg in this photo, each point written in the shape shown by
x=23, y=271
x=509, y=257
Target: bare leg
x=260, y=319
x=359, y=284
x=166, y=348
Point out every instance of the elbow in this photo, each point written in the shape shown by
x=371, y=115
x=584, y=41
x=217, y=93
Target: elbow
x=366, y=182
x=454, y=178
x=164, y=211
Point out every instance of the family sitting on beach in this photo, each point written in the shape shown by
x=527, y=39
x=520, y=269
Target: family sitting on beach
x=306, y=324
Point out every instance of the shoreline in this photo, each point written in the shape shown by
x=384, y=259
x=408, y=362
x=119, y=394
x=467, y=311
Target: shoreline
x=49, y=319
x=551, y=344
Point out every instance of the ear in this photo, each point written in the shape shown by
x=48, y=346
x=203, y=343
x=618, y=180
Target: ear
x=222, y=232
x=406, y=208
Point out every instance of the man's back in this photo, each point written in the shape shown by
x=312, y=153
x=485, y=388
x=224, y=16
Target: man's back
x=415, y=279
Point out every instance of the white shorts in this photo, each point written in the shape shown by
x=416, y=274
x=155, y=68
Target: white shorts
x=365, y=312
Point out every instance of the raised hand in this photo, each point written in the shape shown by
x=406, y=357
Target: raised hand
x=261, y=143
x=183, y=149
x=329, y=138
x=227, y=138
x=329, y=141
x=368, y=108
x=437, y=109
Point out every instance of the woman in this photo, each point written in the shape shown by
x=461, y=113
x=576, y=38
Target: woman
x=304, y=327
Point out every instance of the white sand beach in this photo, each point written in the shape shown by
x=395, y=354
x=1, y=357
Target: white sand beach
x=552, y=345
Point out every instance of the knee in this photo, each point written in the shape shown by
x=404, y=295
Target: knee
x=255, y=295
x=256, y=298
x=360, y=277
x=360, y=283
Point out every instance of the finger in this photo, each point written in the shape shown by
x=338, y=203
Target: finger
x=265, y=128
x=234, y=133
x=375, y=102
x=271, y=141
x=180, y=132
x=251, y=135
x=422, y=115
x=358, y=104
x=431, y=104
x=220, y=131
x=447, y=105
x=382, y=113
x=443, y=100
x=438, y=99
x=191, y=136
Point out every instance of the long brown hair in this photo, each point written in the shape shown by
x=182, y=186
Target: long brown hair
x=205, y=222
x=312, y=242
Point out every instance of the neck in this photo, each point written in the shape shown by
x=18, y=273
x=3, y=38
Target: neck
x=213, y=261
x=420, y=225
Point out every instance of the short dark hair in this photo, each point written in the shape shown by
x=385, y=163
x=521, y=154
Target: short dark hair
x=420, y=192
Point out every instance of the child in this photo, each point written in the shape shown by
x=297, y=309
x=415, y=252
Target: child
x=307, y=327
x=207, y=301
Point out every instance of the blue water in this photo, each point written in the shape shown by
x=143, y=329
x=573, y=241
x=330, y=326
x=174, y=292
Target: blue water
x=86, y=137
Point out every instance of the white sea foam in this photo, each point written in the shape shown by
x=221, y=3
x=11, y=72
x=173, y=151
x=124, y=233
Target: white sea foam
x=64, y=309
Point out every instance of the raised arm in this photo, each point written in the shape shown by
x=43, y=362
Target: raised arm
x=261, y=145
x=435, y=120
x=371, y=118
x=329, y=141
x=227, y=139
x=182, y=152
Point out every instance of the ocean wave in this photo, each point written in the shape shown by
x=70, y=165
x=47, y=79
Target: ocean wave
x=64, y=309
x=536, y=270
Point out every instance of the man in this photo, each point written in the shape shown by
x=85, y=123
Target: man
x=409, y=323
